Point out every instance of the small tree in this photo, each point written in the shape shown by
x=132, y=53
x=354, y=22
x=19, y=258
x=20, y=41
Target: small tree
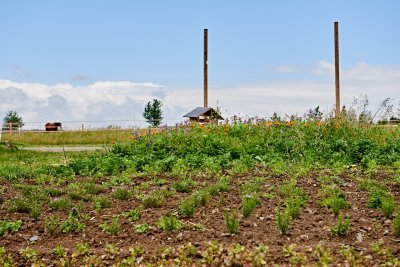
x=14, y=118
x=153, y=113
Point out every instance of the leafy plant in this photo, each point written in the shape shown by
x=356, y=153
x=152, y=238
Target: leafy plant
x=9, y=226
x=155, y=200
x=388, y=205
x=169, y=223
x=29, y=254
x=72, y=224
x=231, y=222
x=111, y=228
x=52, y=224
x=101, y=203
x=142, y=228
x=249, y=203
x=133, y=215
x=187, y=207
x=59, y=251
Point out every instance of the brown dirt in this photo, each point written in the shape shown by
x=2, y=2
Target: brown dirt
x=311, y=229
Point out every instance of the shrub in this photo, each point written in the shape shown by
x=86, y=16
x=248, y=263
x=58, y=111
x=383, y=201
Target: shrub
x=231, y=222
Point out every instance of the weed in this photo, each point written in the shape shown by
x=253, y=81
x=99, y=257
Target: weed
x=396, y=223
x=142, y=228
x=72, y=224
x=342, y=227
x=388, y=205
x=101, y=203
x=121, y=194
x=249, y=203
x=231, y=222
x=153, y=201
x=133, y=215
x=59, y=251
x=169, y=223
x=187, y=207
x=282, y=221
x=29, y=254
x=52, y=224
x=60, y=204
x=9, y=226
x=112, y=228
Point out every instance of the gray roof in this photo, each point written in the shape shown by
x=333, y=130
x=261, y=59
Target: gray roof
x=197, y=112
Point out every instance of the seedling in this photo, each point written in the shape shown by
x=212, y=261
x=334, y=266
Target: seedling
x=9, y=226
x=121, y=194
x=231, y=222
x=142, y=228
x=188, y=207
x=133, y=215
x=282, y=221
x=396, y=223
x=388, y=205
x=101, y=203
x=153, y=201
x=342, y=227
x=169, y=223
x=29, y=254
x=59, y=251
x=112, y=228
x=61, y=204
x=182, y=186
x=72, y=224
x=52, y=224
x=249, y=203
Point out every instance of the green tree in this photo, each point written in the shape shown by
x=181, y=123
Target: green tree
x=153, y=113
x=14, y=118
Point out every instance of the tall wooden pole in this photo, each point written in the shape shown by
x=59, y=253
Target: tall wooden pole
x=205, y=68
x=337, y=80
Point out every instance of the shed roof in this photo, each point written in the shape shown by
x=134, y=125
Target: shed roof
x=199, y=111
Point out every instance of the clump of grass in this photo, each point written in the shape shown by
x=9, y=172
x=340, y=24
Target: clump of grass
x=396, y=223
x=282, y=221
x=133, y=215
x=60, y=204
x=342, y=226
x=113, y=227
x=231, y=222
x=155, y=200
x=121, y=194
x=187, y=207
x=249, y=203
x=100, y=203
x=52, y=224
x=169, y=223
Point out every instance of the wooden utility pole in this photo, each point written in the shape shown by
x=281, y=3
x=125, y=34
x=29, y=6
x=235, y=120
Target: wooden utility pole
x=337, y=80
x=205, y=68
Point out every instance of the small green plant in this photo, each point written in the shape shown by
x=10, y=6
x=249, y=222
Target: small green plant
x=101, y=203
x=92, y=188
x=72, y=224
x=29, y=254
x=293, y=206
x=323, y=255
x=231, y=222
x=155, y=200
x=142, y=228
x=5, y=260
x=396, y=223
x=52, y=224
x=200, y=197
x=9, y=226
x=133, y=215
x=121, y=194
x=187, y=207
x=375, y=198
x=111, y=228
x=59, y=251
x=295, y=258
x=60, y=204
x=388, y=205
x=249, y=203
x=81, y=249
x=282, y=220
x=183, y=185
x=169, y=223
x=159, y=181
x=342, y=227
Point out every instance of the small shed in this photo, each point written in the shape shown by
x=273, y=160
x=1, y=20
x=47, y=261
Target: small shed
x=203, y=115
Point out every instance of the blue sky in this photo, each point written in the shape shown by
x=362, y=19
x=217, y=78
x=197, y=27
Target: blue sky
x=252, y=44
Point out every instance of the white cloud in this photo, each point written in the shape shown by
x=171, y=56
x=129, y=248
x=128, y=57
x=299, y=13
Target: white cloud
x=285, y=68
x=112, y=101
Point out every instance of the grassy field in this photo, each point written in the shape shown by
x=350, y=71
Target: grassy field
x=285, y=193
x=93, y=137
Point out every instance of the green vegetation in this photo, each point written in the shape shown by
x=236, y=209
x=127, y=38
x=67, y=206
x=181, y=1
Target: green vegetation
x=231, y=222
x=342, y=226
x=113, y=227
x=9, y=226
x=169, y=223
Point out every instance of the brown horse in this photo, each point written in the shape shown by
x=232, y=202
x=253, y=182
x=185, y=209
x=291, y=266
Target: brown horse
x=53, y=126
